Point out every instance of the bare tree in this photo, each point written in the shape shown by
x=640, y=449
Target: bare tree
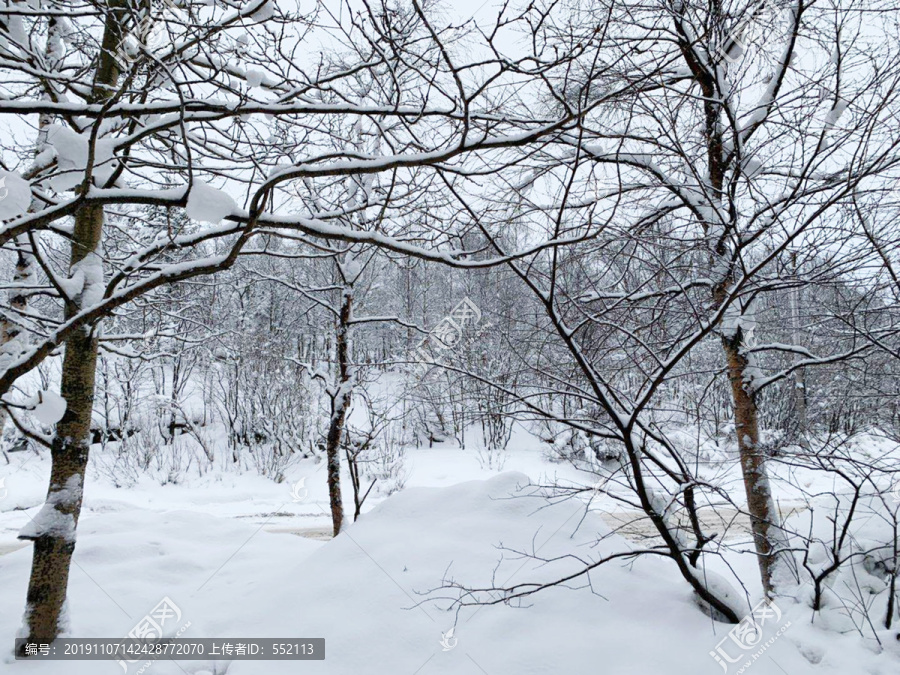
x=140, y=122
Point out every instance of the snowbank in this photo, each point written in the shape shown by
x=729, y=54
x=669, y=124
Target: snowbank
x=361, y=592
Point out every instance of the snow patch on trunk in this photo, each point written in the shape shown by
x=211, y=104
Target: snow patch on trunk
x=72, y=157
x=87, y=280
x=47, y=407
x=50, y=521
x=15, y=195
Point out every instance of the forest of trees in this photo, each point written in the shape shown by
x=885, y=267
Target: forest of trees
x=646, y=218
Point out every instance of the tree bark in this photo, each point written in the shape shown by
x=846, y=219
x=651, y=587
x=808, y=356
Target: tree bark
x=764, y=520
x=18, y=302
x=24, y=272
x=798, y=424
x=53, y=548
x=340, y=403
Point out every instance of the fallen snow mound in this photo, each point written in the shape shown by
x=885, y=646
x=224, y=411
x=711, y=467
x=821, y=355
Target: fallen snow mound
x=364, y=591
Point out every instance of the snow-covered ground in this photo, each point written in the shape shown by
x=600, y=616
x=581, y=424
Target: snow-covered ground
x=224, y=549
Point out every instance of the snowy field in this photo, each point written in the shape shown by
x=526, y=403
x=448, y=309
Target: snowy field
x=472, y=337
x=242, y=556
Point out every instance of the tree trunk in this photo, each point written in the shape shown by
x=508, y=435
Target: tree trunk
x=53, y=549
x=18, y=301
x=24, y=272
x=764, y=520
x=54, y=545
x=18, y=298
x=340, y=403
x=798, y=424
